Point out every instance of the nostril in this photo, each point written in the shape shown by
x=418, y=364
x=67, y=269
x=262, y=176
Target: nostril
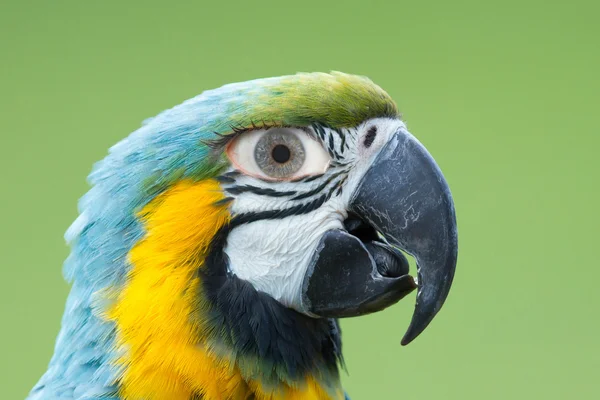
x=370, y=136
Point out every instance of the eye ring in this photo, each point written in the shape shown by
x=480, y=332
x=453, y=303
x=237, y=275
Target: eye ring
x=278, y=154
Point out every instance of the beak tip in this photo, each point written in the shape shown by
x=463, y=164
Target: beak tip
x=412, y=333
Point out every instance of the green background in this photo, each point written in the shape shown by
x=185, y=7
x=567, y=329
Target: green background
x=504, y=94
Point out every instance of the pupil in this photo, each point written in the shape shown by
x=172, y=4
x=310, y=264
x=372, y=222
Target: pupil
x=281, y=154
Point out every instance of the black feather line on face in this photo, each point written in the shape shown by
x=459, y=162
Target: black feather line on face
x=318, y=189
x=328, y=140
x=343, y=144
x=235, y=190
x=225, y=179
x=331, y=143
x=300, y=209
x=331, y=153
x=232, y=174
x=319, y=130
x=309, y=178
x=336, y=155
x=254, y=324
x=223, y=201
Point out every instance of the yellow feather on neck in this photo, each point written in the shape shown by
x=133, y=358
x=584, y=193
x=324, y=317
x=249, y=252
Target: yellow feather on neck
x=159, y=335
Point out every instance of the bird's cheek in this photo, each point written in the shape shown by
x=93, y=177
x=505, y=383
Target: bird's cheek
x=273, y=255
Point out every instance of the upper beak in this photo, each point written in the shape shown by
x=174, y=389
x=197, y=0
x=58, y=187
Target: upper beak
x=404, y=197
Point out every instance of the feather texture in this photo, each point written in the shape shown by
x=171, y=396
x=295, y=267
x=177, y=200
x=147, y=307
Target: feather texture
x=170, y=150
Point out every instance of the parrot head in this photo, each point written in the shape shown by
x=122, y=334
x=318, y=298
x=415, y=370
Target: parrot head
x=222, y=240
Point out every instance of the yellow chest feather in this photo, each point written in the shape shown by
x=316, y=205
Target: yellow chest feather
x=162, y=354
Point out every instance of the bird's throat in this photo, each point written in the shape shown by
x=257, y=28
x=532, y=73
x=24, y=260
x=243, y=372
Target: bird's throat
x=185, y=328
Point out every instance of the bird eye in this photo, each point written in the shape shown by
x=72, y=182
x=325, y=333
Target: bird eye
x=278, y=154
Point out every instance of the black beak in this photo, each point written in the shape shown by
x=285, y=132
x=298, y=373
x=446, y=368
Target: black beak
x=405, y=198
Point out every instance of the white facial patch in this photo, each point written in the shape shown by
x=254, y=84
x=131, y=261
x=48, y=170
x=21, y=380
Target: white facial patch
x=274, y=254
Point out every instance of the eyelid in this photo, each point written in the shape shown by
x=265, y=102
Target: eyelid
x=229, y=150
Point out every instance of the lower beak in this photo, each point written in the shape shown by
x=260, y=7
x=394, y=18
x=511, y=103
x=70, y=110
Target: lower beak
x=404, y=197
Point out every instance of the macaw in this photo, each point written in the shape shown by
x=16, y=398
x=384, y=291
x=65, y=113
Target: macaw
x=220, y=243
